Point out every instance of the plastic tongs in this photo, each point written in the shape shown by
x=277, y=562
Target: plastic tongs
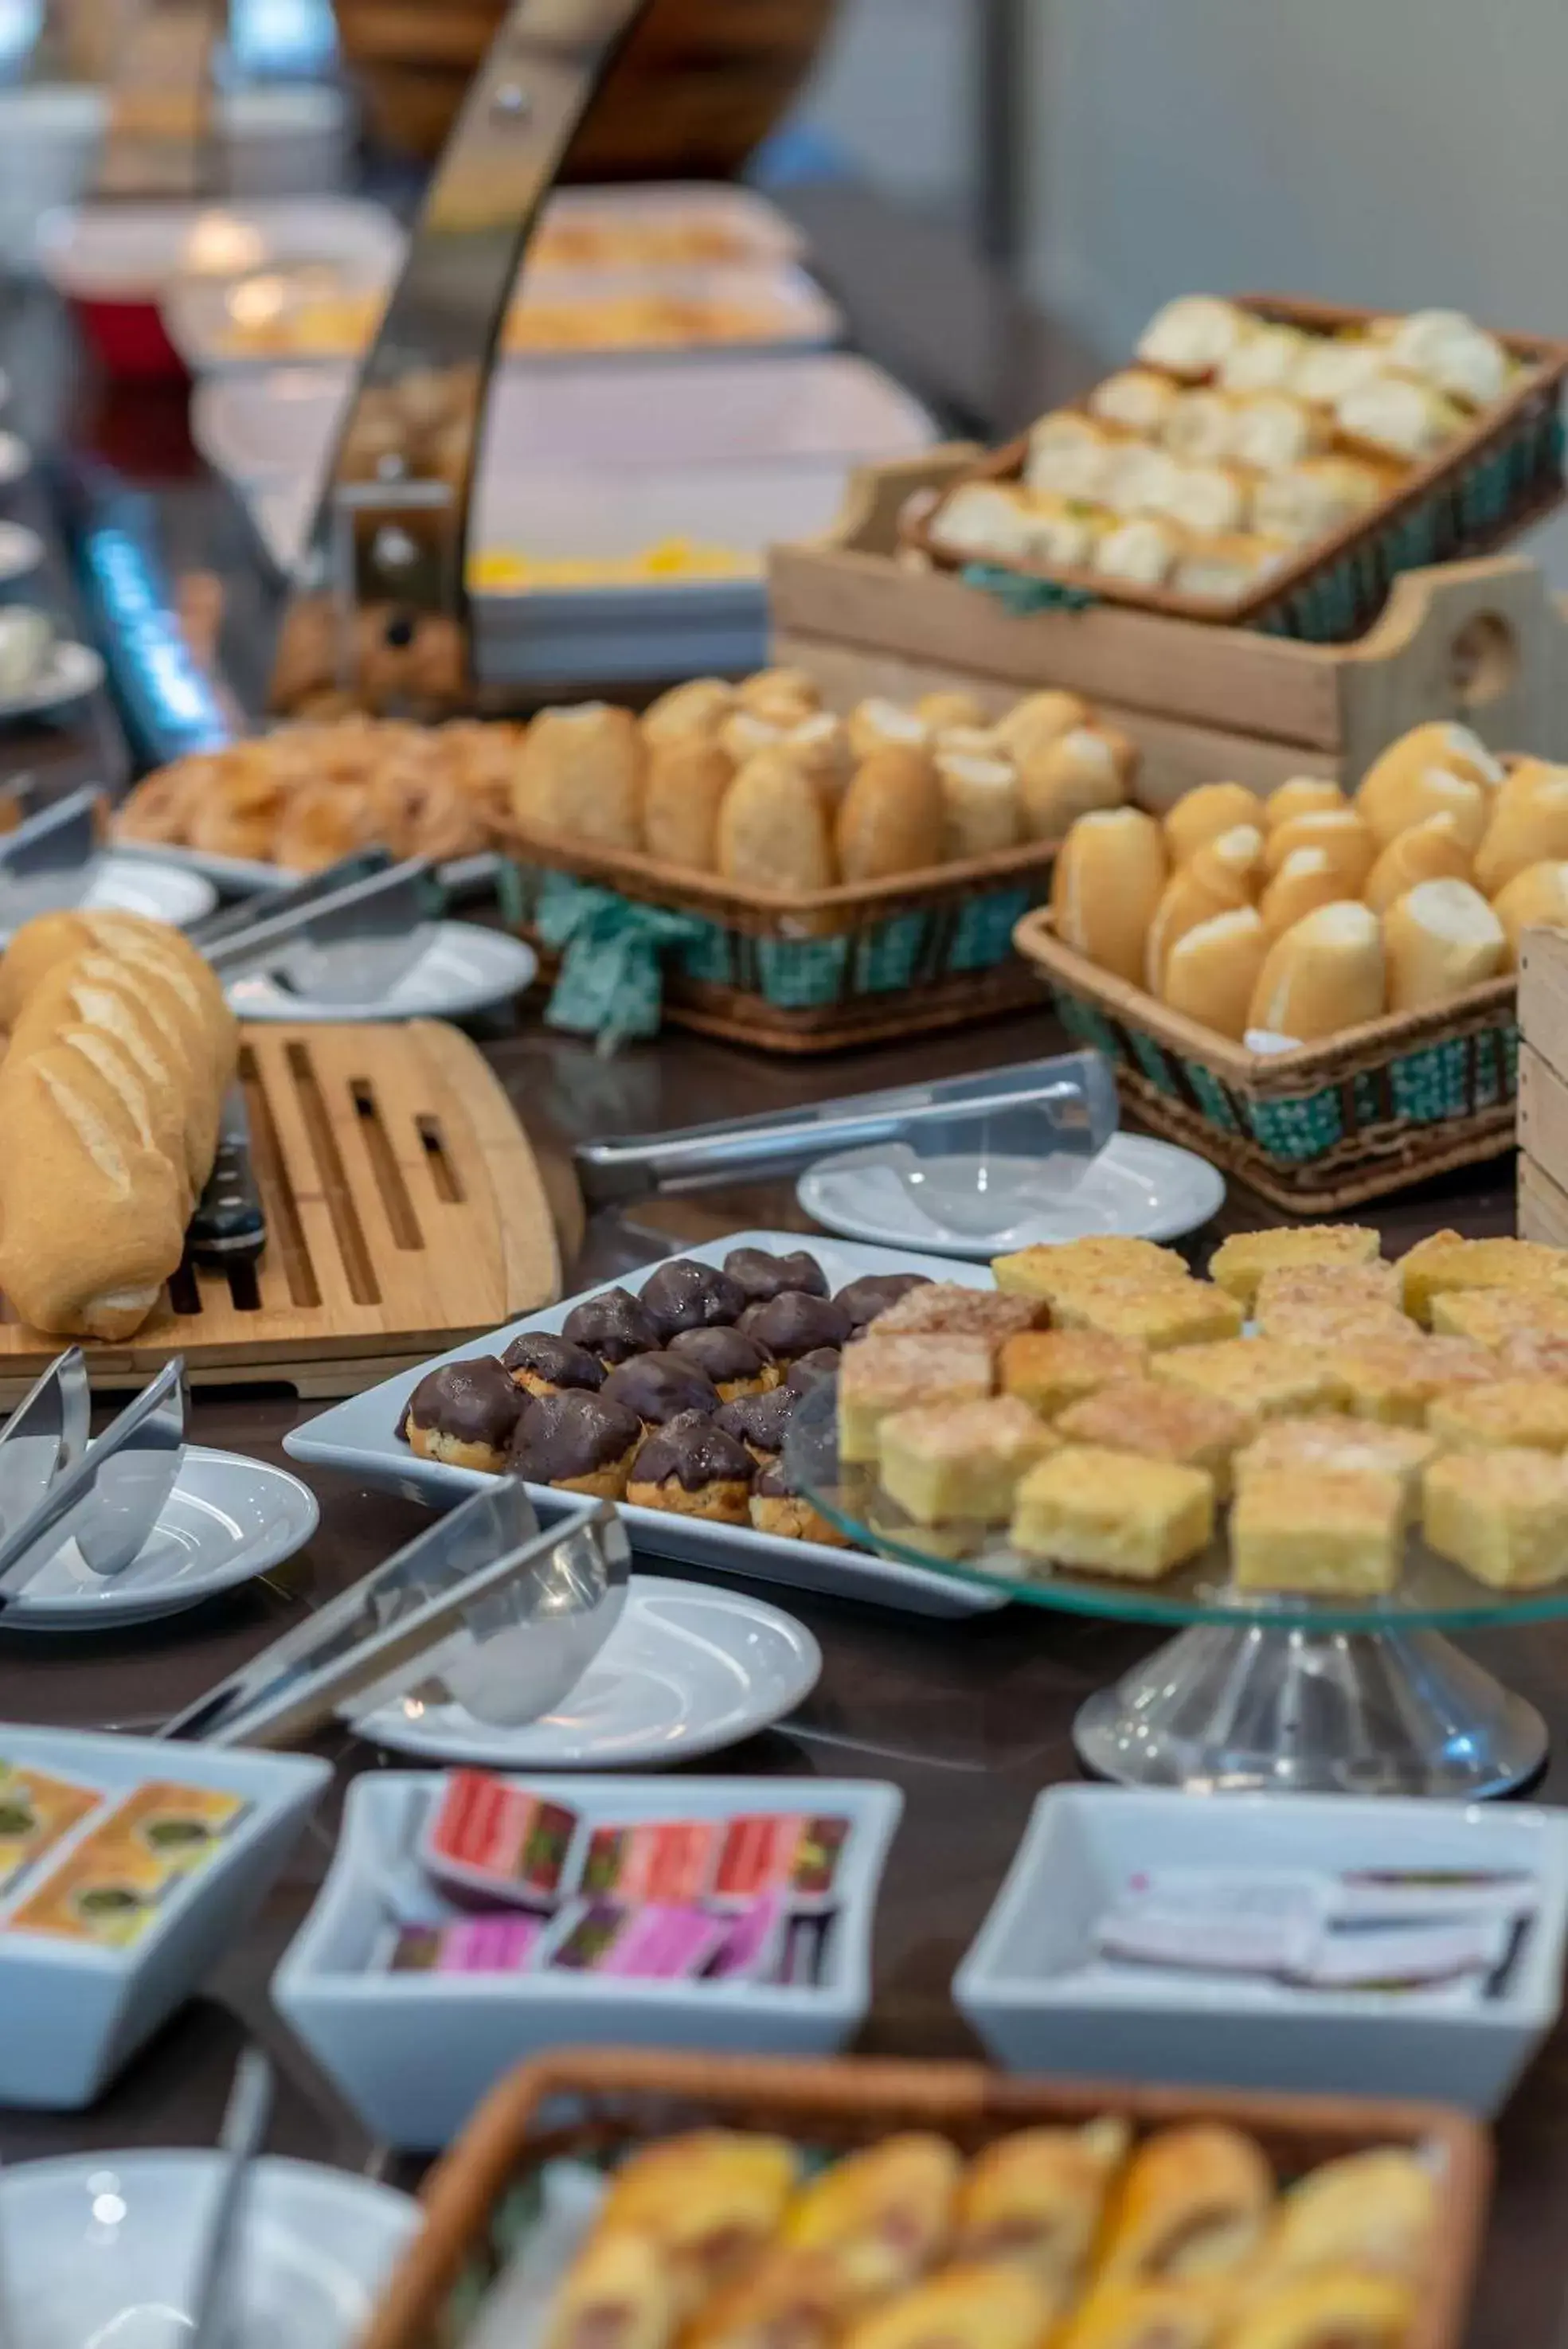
x=349, y=932
x=105, y=1495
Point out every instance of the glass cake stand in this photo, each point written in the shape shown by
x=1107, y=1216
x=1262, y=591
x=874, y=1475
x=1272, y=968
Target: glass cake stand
x=1258, y=1691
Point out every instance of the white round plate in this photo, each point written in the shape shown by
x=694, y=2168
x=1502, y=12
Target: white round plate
x=21, y=549
x=70, y=672
x=227, y=1520
x=464, y=969
x=107, y=2248
x=687, y=1669
x=117, y=884
x=1148, y=1190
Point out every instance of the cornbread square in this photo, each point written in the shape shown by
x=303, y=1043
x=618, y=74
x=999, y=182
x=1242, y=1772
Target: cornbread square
x=1162, y=1314
x=1490, y=1317
x=1337, y=1445
x=1265, y=1378
x=1396, y=1379
x=1512, y=1414
x=946, y=1308
x=1050, y=1369
x=1502, y=1516
x=878, y=1376
x=1043, y=1271
x=1310, y=1529
x=1312, y=1302
x=1160, y=1421
x=1240, y=1263
x=1311, y=1321
x=940, y=1465
x=1528, y=1355
x=1114, y=1512
x=1447, y=1261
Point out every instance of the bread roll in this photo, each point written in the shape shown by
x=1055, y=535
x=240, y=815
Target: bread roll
x=940, y=710
x=1319, y=496
x=698, y=708
x=1266, y=358
x=1107, y=883
x=1138, y=400
x=874, y=724
x=1202, y=814
x=1212, y=969
x=892, y=817
x=1202, y=427
x=1072, y=455
x=773, y=832
x=1414, y=778
x=1536, y=898
x=1090, y=767
x=1039, y=719
x=1439, y=938
x=1326, y=974
x=1449, y=350
x=147, y=1018
x=776, y=689
x=1430, y=851
x=1346, y=841
x=1302, y=795
x=1308, y=878
x=1193, y=335
x=819, y=746
x=687, y=780
x=1144, y=551
x=982, y=815
x=1206, y=499
x=1217, y=878
x=579, y=776
x=742, y=734
x=1529, y=825
x=1275, y=428
x=1399, y=416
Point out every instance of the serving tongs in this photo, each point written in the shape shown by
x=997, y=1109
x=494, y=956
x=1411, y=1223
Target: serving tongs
x=106, y=1495
x=349, y=938
x=482, y=1601
x=44, y=859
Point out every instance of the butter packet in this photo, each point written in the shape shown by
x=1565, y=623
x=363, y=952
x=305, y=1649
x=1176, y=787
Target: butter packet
x=109, y=1898
x=37, y=1810
x=180, y=1827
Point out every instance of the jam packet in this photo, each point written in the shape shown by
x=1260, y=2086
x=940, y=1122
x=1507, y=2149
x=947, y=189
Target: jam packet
x=798, y=1855
x=753, y=1948
x=655, y=1941
x=179, y=1827
x=658, y=1859
x=499, y=1839
x=107, y=1897
x=503, y=1944
x=37, y=1810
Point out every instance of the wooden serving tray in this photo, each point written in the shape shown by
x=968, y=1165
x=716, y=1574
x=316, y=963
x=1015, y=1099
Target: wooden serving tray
x=405, y=1213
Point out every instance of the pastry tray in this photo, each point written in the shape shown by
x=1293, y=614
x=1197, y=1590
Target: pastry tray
x=360, y=1438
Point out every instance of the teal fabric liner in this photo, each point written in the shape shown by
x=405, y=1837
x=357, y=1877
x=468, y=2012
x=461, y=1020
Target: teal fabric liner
x=1022, y=596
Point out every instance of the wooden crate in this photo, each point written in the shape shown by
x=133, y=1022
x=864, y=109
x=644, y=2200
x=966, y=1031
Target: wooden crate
x=1483, y=642
x=1543, y=1087
x=405, y=1213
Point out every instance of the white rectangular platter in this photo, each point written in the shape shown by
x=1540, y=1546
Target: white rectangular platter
x=359, y=1437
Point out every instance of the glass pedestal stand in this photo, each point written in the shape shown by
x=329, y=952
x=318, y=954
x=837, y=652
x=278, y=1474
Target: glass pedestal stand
x=1260, y=1692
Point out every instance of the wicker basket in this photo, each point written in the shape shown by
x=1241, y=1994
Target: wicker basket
x=1490, y=483
x=851, y=965
x=600, y=2105
x=1325, y=1127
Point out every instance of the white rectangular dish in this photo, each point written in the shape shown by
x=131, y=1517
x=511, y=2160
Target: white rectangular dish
x=359, y=1437
x=414, y=2053
x=129, y=251
x=75, y=2013
x=1024, y=1989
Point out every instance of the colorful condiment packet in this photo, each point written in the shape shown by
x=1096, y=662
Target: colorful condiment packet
x=503, y=1944
x=37, y=1810
x=655, y=1941
x=658, y=1859
x=180, y=1827
x=754, y=1943
x=109, y=1898
x=786, y=1852
x=497, y=1838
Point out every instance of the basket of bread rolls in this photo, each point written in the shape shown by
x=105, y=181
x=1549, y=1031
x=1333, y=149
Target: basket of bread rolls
x=839, y=876
x=1269, y=462
x=1317, y=989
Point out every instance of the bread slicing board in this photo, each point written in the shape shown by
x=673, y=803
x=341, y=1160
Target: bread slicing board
x=405, y=1211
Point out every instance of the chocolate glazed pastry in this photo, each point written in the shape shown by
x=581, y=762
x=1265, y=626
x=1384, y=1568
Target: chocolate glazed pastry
x=464, y=1415
x=612, y=1324
x=777, y=1508
x=760, y=1277
x=813, y=1369
x=795, y=1324
x=579, y=1443
x=661, y=1387
x=693, y=1468
x=736, y=1365
x=542, y=1364
x=863, y=1300
x=759, y=1421
x=685, y=1295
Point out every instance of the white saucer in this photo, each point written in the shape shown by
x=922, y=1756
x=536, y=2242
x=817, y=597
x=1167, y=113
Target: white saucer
x=464, y=969
x=117, y=885
x=106, y=2247
x=1148, y=1190
x=227, y=1520
x=687, y=1670
x=70, y=672
x=21, y=549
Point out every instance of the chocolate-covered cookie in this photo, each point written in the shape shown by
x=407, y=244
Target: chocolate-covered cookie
x=795, y=1324
x=760, y=1420
x=685, y=1295
x=659, y=1387
x=734, y=1362
x=693, y=1468
x=464, y=1414
x=863, y=1300
x=612, y=1324
x=776, y=1507
x=582, y=1443
x=542, y=1364
x=760, y=1277
x=813, y=1369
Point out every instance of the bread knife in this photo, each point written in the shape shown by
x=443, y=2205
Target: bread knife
x=229, y=1225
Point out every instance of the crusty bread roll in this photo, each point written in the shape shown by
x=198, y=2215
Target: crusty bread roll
x=1212, y=969
x=1415, y=778
x=1201, y=426
x=687, y=780
x=819, y=746
x=579, y=776
x=1430, y=851
x=149, y=1019
x=891, y=818
x=1536, y=898
x=1201, y=815
x=1439, y=938
x=1308, y=878
x=1107, y=883
x=1529, y=825
x=1089, y=767
x=1302, y=795
x=773, y=832
x=1326, y=974
x=1346, y=841
x=1138, y=400
x=1399, y=416
x=1039, y=719
x=700, y=707
x=1217, y=879
x=980, y=804
x=771, y=689
x=876, y=724
x=940, y=710
x=1192, y=335
x=742, y=734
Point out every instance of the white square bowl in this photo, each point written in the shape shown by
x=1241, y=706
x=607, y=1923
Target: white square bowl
x=414, y=2053
x=74, y=2012
x=1023, y=1988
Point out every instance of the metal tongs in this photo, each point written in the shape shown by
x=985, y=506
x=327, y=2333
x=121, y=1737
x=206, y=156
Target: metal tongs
x=44, y=859
x=350, y=933
x=107, y=1496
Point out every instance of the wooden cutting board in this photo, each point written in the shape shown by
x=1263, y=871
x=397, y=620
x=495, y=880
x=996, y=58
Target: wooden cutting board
x=405, y=1213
